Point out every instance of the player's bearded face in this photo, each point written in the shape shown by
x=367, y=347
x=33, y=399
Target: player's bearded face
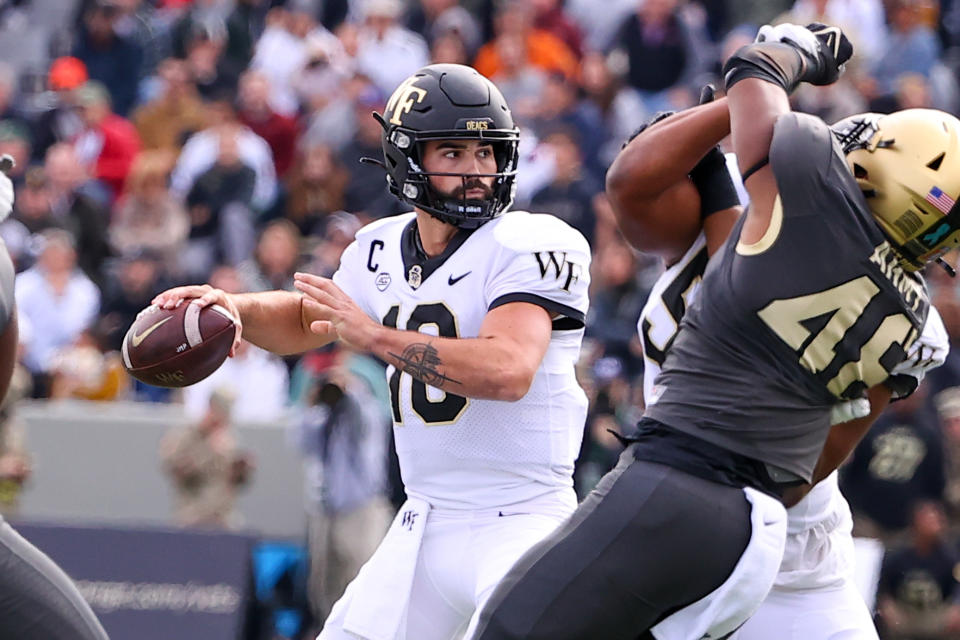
x=470, y=189
x=466, y=158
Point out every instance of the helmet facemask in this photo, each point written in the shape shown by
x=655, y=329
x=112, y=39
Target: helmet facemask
x=455, y=208
x=448, y=102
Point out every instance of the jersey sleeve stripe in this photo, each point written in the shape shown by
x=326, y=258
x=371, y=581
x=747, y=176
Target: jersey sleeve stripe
x=564, y=323
x=769, y=236
x=577, y=316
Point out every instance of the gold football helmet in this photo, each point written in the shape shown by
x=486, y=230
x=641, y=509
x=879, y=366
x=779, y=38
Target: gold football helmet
x=908, y=166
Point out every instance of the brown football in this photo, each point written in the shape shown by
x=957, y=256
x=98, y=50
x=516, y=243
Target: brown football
x=177, y=347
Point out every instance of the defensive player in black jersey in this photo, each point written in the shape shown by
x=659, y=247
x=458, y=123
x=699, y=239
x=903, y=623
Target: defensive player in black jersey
x=814, y=596
x=813, y=300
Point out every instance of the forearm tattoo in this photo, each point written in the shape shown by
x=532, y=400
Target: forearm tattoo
x=422, y=361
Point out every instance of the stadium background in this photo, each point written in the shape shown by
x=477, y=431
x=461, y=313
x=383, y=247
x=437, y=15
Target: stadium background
x=167, y=141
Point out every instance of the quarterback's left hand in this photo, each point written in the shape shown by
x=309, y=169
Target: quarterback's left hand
x=927, y=352
x=335, y=311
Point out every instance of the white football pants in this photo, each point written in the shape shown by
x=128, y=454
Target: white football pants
x=463, y=555
x=837, y=613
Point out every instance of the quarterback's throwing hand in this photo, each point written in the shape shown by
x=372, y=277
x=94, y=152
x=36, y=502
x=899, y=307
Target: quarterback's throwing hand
x=203, y=295
x=334, y=312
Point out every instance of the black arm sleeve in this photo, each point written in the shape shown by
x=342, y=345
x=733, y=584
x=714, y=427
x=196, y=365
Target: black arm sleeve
x=772, y=62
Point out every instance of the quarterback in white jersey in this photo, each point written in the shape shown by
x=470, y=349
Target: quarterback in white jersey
x=479, y=313
x=489, y=477
x=457, y=452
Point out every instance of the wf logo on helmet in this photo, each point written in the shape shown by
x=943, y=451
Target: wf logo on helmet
x=403, y=99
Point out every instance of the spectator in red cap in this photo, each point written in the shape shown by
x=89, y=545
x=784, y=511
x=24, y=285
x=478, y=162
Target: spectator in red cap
x=60, y=122
x=67, y=73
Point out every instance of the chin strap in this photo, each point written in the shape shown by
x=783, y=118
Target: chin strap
x=946, y=267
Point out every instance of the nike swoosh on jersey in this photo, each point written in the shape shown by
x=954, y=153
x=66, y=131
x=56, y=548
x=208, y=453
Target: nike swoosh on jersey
x=452, y=281
x=135, y=339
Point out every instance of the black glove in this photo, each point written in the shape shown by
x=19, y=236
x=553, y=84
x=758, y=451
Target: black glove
x=657, y=117
x=788, y=54
x=835, y=51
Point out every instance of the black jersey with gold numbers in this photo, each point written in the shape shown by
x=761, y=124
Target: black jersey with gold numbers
x=814, y=312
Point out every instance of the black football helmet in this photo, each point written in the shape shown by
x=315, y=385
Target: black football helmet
x=442, y=102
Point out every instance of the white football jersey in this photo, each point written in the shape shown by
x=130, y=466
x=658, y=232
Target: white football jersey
x=468, y=453
x=671, y=296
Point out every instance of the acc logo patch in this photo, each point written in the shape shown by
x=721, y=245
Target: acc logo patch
x=383, y=281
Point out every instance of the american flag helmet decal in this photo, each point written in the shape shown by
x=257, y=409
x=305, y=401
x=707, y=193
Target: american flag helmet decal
x=940, y=200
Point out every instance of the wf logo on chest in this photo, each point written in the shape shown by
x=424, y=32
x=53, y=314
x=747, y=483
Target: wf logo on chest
x=555, y=263
x=408, y=519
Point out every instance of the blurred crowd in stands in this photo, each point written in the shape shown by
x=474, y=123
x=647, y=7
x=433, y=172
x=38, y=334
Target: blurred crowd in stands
x=161, y=142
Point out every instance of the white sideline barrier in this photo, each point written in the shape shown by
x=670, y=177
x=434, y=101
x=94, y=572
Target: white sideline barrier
x=98, y=463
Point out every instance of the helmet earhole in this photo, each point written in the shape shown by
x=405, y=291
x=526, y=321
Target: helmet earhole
x=859, y=172
x=936, y=162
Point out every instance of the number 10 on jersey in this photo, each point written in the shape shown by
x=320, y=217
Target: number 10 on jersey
x=433, y=412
